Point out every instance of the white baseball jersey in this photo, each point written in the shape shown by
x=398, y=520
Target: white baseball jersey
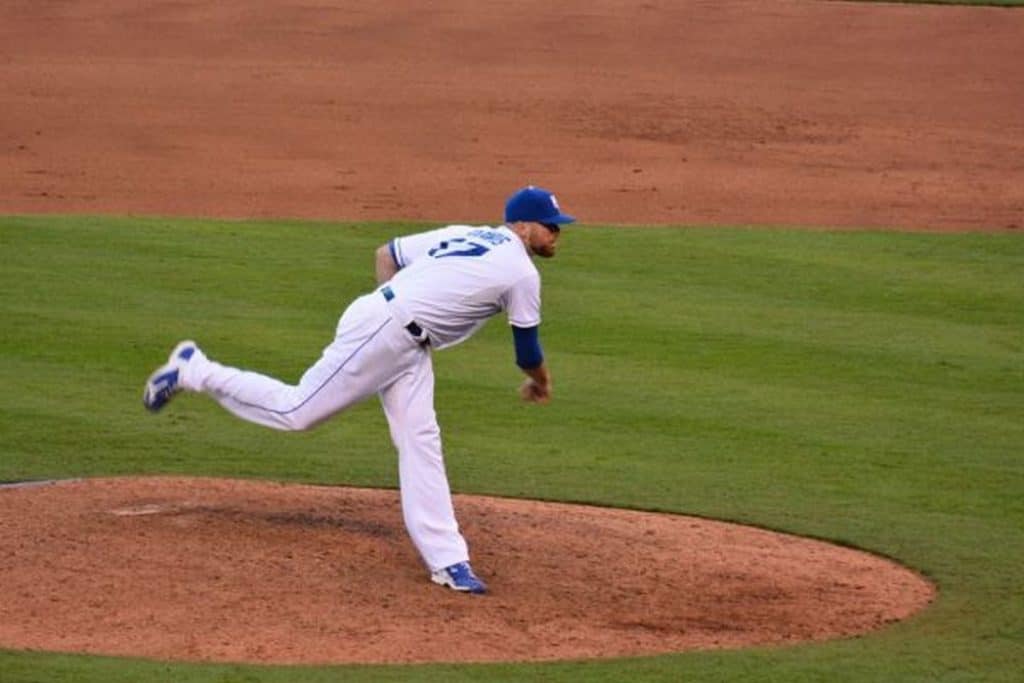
x=453, y=279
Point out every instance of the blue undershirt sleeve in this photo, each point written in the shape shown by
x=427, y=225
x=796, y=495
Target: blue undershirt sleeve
x=528, y=352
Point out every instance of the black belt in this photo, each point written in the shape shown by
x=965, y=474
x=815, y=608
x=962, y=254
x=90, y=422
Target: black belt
x=414, y=329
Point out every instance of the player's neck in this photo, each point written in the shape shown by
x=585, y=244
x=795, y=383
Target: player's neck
x=522, y=231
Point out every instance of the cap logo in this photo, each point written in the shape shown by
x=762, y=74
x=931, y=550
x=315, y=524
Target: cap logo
x=555, y=203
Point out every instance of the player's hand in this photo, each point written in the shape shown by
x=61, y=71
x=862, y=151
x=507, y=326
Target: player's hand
x=532, y=392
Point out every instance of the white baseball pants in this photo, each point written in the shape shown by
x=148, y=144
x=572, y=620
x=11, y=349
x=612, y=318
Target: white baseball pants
x=371, y=353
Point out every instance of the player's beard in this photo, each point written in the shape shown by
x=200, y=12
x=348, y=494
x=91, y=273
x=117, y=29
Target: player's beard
x=545, y=246
x=544, y=250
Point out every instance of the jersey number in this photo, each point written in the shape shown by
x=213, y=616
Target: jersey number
x=458, y=246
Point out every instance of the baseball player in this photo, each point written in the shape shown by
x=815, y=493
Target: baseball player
x=435, y=290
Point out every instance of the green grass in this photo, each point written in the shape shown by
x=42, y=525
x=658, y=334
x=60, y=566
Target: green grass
x=857, y=386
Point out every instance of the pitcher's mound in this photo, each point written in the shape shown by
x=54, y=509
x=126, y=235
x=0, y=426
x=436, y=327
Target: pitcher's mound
x=245, y=571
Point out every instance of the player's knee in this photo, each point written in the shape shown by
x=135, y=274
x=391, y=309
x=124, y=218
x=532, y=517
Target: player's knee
x=298, y=421
x=298, y=424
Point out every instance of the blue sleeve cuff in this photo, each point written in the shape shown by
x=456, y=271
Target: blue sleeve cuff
x=528, y=352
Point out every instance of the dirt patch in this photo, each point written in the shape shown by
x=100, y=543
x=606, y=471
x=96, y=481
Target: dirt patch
x=233, y=571
x=723, y=112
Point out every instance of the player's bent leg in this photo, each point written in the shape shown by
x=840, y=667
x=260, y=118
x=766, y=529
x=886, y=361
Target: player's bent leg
x=264, y=400
x=351, y=369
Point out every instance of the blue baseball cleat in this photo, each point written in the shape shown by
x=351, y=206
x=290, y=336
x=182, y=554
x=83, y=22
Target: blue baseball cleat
x=165, y=382
x=459, y=577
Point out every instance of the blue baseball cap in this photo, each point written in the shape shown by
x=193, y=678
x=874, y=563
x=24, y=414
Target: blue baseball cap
x=534, y=205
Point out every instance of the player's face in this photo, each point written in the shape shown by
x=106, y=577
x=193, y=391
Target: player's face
x=544, y=239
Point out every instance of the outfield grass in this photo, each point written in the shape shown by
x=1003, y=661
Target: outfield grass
x=864, y=387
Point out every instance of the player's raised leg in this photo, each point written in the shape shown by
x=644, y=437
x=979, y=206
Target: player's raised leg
x=352, y=368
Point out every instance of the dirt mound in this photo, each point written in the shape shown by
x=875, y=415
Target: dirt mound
x=233, y=571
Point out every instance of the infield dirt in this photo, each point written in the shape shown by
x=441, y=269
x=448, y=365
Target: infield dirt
x=722, y=112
